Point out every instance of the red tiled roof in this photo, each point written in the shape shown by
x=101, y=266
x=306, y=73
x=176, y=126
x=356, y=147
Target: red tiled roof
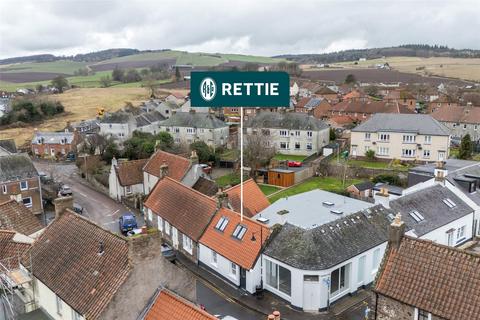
x=169, y=306
x=177, y=165
x=130, y=172
x=254, y=200
x=184, y=208
x=439, y=279
x=341, y=120
x=11, y=250
x=302, y=102
x=243, y=252
x=457, y=114
x=370, y=107
x=15, y=216
x=66, y=259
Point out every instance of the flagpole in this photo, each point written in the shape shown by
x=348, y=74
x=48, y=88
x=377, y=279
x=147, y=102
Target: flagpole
x=241, y=164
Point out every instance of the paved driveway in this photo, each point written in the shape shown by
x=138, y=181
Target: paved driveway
x=98, y=207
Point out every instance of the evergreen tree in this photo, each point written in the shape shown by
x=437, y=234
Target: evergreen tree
x=466, y=147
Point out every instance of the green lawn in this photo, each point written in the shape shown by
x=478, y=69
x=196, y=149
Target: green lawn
x=280, y=157
x=267, y=189
x=375, y=164
x=228, y=179
x=325, y=183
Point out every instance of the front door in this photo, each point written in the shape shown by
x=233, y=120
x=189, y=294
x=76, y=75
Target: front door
x=450, y=238
x=175, y=237
x=441, y=155
x=311, y=293
x=243, y=278
x=354, y=151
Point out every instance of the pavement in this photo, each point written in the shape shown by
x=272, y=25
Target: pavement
x=97, y=206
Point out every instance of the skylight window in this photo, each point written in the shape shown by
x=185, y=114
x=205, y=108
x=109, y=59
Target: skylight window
x=222, y=224
x=239, y=232
x=416, y=215
x=449, y=203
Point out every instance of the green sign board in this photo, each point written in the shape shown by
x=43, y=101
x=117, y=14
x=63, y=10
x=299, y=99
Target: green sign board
x=239, y=89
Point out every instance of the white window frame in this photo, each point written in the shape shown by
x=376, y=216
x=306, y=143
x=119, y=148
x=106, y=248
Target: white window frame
x=309, y=146
x=299, y=146
x=4, y=189
x=383, y=151
x=384, y=137
x=415, y=316
x=426, y=153
x=461, y=234
x=167, y=227
x=283, y=133
x=76, y=315
x=233, y=269
x=187, y=243
x=26, y=185
x=367, y=136
x=286, y=144
x=128, y=190
x=375, y=260
x=409, y=138
x=28, y=205
x=408, y=153
x=428, y=140
x=160, y=223
x=59, y=305
x=149, y=214
x=214, y=258
x=309, y=134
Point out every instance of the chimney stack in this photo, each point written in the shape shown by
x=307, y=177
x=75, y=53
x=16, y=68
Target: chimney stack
x=440, y=171
x=396, y=231
x=194, y=157
x=61, y=204
x=163, y=169
x=222, y=199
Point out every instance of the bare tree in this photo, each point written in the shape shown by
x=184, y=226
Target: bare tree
x=257, y=153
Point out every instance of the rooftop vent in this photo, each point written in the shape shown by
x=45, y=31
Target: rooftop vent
x=336, y=211
x=282, y=212
x=263, y=220
x=328, y=203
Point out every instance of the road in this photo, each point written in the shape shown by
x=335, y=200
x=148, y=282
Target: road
x=98, y=207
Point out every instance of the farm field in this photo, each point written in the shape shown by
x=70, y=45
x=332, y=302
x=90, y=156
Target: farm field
x=460, y=68
x=80, y=104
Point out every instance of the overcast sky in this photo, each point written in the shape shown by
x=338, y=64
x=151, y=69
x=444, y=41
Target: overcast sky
x=259, y=27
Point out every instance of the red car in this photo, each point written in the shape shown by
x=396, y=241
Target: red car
x=294, y=163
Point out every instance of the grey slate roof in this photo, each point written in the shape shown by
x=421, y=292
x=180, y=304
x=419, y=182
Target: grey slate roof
x=429, y=203
x=16, y=167
x=147, y=118
x=52, y=137
x=117, y=117
x=9, y=145
x=409, y=123
x=286, y=120
x=307, y=210
x=365, y=185
x=193, y=120
x=330, y=244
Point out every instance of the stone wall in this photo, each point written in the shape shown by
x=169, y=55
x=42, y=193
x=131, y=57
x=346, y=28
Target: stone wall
x=389, y=309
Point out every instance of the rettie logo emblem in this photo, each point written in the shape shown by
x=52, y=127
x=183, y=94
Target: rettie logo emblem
x=208, y=89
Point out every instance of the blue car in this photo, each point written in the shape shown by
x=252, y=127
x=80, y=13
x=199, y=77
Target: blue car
x=127, y=222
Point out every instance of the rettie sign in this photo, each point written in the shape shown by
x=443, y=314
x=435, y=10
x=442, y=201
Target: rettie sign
x=239, y=89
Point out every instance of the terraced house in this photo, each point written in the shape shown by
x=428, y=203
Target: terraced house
x=290, y=133
x=408, y=137
x=19, y=180
x=54, y=144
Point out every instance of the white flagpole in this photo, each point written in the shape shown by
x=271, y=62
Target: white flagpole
x=241, y=164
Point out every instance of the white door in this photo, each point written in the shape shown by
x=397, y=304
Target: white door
x=354, y=151
x=175, y=237
x=450, y=238
x=311, y=293
x=441, y=155
x=361, y=270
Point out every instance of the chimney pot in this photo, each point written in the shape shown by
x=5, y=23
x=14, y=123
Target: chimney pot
x=276, y=314
x=163, y=169
x=194, y=157
x=396, y=232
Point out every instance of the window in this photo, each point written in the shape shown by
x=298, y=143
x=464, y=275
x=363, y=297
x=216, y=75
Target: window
x=149, y=215
x=367, y=135
x=167, y=227
x=221, y=224
x=233, y=269
x=385, y=137
x=408, y=153
x=59, y=305
x=159, y=223
x=426, y=153
x=475, y=127
x=382, y=151
x=338, y=280
x=422, y=315
x=464, y=126
x=278, y=277
x=309, y=134
x=128, y=189
x=297, y=133
x=367, y=148
x=376, y=259
x=309, y=146
x=284, y=145
x=4, y=189
x=214, y=258
x=408, y=138
x=239, y=232
x=428, y=139
x=27, y=202
x=191, y=130
x=416, y=215
x=176, y=130
x=283, y=133
x=23, y=185
x=187, y=244
x=76, y=315
x=297, y=145
x=449, y=203
x=461, y=233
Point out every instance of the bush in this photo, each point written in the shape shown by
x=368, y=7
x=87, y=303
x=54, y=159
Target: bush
x=204, y=152
x=387, y=178
x=370, y=154
x=31, y=110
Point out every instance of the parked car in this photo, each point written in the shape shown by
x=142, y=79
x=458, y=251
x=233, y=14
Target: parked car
x=77, y=208
x=206, y=168
x=294, y=163
x=127, y=222
x=168, y=252
x=44, y=178
x=65, y=191
x=71, y=156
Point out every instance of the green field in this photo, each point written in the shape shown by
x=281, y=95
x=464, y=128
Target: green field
x=61, y=66
x=324, y=183
x=281, y=157
x=376, y=164
x=267, y=189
